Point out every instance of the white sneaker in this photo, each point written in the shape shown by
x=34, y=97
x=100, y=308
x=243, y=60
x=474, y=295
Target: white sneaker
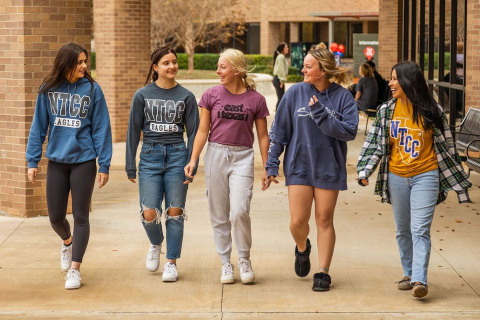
x=66, y=257
x=72, y=279
x=153, y=257
x=170, y=273
x=227, y=273
x=246, y=271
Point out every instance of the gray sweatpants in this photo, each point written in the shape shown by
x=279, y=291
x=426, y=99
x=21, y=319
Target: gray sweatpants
x=229, y=177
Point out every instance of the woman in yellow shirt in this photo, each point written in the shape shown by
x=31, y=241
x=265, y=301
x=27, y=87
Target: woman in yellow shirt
x=412, y=170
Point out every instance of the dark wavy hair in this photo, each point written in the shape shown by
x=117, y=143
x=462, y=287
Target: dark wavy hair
x=64, y=67
x=425, y=109
x=280, y=48
x=155, y=58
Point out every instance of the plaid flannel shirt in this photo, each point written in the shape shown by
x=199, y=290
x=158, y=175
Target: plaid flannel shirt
x=376, y=150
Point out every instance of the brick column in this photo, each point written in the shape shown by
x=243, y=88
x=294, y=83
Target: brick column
x=389, y=35
x=31, y=32
x=294, y=29
x=472, y=72
x=123, y=48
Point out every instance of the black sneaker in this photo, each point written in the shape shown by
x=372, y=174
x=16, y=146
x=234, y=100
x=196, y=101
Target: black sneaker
x=302, y=261
x=321, y=282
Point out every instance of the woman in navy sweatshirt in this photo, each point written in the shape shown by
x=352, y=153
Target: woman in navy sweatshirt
x=314, y=121
x=72, y=109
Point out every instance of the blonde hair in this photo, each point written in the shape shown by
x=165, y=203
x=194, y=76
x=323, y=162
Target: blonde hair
x=321, y=45
x=367, y=70
x=239, y=62
x=326, y=61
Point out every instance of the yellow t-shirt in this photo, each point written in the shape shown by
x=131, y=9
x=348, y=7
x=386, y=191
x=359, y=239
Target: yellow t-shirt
x=411, y=146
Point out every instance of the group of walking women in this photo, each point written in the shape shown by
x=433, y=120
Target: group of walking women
x=410, y=139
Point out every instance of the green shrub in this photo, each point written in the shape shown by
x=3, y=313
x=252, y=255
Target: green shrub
x=93, y=60
x=435, y=61
x=293, y=71
x=294, y=78
x=259, y=59
x=201, y=61
x=209, y=61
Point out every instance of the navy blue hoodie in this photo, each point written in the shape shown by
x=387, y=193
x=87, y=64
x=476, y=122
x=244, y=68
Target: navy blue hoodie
x=315, y=137
x=79, y=126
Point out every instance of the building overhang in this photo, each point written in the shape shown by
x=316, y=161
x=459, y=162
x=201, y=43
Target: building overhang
x=346, y=15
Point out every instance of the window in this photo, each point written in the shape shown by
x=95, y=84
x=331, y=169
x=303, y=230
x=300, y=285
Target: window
x=434, y=34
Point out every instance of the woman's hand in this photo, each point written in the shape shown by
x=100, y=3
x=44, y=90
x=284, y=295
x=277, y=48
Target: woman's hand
x=265, y=181
x=32, y=174
x=102, y=179
x=281, y=85
x=364, y=182
x=189, y=168
x=273, y=179
x=313, y=100
x=132, y=180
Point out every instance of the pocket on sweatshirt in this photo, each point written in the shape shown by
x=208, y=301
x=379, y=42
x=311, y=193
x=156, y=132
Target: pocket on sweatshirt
x=316, y=161
x=64, y=149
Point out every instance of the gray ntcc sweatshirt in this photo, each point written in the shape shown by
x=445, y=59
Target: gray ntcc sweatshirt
x=163, y=115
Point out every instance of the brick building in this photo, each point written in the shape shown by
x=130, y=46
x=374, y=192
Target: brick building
x=31, y=31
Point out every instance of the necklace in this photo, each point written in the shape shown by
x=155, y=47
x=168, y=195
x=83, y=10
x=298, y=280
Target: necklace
x=402, y=108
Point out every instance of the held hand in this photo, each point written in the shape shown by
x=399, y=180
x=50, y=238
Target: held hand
x=281, y=85
x=32, y=174
x=364, y=182
x=189, y=168
x=132, y=180
x=273, y=179
x=102, y=179
x=265, y=181
x=313, y=100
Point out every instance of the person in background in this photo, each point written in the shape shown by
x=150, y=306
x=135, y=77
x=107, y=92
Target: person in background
x=366, y=91
x=382, y=84
x=71, y=107
x=411, y=140
x=280, y=70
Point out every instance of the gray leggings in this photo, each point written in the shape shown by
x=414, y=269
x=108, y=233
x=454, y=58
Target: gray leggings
x=80, y=179
x=229, y=177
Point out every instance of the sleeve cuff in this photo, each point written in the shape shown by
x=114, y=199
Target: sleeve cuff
x=104, y=169
x=132, y=174
x=271, y=171
x=33, y=164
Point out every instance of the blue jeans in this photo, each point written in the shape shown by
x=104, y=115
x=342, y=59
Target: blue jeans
x=160, y=173
x=413, y=201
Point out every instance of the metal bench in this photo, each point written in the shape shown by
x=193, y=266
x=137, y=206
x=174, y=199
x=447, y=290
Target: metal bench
x=468, y=140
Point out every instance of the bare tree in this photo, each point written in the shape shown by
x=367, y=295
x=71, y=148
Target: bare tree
x=191, y=23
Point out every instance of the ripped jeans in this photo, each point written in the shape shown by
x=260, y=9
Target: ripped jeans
x=229, y=177
x=160, y=173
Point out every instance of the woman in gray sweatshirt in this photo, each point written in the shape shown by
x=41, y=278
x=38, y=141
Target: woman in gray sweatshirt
x=313, y=123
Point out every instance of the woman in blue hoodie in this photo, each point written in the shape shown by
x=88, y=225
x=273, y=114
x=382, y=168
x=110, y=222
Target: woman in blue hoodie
x=313, y=123
x=72, y=109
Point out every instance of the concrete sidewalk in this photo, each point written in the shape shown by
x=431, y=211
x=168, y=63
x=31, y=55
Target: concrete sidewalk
x=366, y=264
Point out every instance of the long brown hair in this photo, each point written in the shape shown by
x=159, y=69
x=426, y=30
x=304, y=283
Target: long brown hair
x=64, y=67
x=155, y=58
